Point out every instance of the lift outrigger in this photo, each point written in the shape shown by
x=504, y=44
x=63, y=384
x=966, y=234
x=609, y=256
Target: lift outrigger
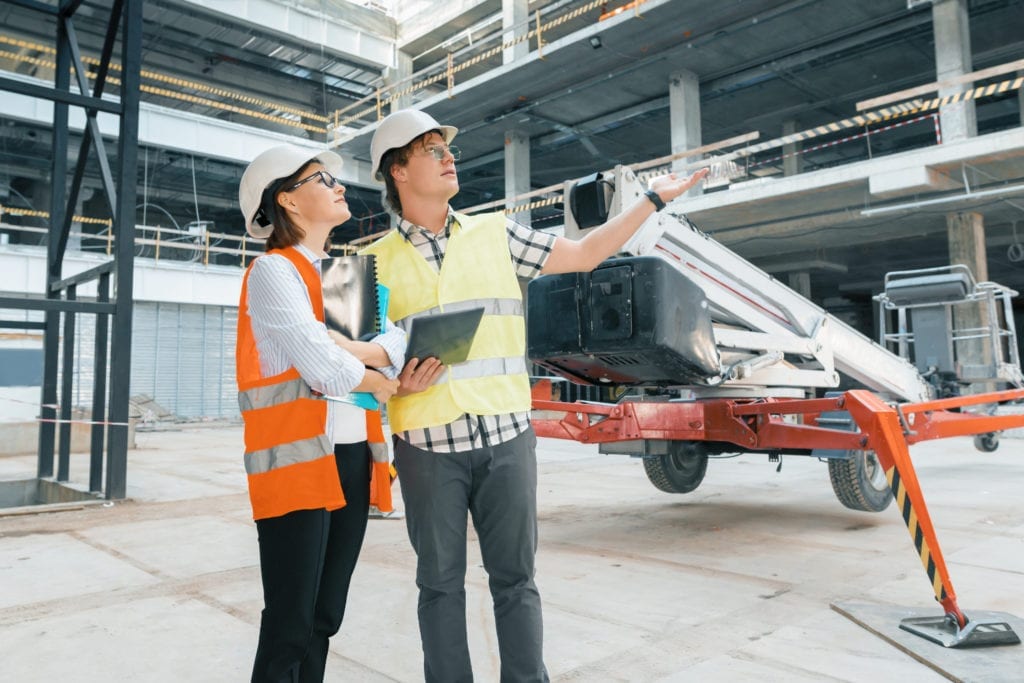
x=728, y=359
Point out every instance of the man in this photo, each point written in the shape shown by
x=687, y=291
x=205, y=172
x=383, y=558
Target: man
x=463, y=441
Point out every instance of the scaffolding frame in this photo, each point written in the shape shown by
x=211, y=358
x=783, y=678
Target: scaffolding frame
x=60, y=301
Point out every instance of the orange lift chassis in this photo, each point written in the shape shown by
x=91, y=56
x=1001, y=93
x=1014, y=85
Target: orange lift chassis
x=759, y=425
x=704, y=353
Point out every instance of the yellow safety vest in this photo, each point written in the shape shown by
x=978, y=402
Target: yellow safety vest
x=477, y=271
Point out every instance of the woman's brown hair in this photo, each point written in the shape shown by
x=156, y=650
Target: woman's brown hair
x=285, y=233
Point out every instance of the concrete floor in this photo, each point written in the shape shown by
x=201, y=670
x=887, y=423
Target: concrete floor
x=733, y=582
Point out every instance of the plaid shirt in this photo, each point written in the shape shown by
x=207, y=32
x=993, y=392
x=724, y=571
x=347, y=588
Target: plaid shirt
x=530, y=250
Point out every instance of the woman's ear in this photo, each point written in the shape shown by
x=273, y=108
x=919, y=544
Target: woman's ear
x=285, y=201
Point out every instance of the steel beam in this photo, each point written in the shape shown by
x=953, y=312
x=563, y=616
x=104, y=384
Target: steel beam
x=123, y=227
x=60, y=296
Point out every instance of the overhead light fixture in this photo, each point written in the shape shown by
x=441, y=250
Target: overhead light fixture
x=595, y=42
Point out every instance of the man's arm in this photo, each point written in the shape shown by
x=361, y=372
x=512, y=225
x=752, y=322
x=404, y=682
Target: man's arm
x=571, y=256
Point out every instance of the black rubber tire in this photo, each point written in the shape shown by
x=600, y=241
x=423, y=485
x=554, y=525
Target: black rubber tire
x=859, y=482
x=987, y=443
x=681, y=470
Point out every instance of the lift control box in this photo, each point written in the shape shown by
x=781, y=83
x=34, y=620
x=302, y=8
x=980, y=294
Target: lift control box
x=634, y=320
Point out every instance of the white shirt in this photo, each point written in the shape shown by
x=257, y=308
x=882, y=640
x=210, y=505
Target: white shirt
x=287, y=334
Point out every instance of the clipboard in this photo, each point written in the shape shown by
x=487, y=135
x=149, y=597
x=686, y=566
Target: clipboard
x=348, y=281
x=351, y=296
x=445, y=336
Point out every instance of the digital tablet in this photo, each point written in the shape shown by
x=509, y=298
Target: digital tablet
x=445, y=336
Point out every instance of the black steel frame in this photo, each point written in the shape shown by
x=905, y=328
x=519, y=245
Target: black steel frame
x=109, y=412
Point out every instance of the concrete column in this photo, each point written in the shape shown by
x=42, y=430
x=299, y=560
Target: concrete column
x=800, y=282
x=792, y=160
x=966, y=235
x=684, y=118
x=514, y=16
x=517, y=171
x=951, y=27
x=401, y=71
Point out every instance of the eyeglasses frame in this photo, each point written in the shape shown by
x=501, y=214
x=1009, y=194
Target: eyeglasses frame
x=323, y=174
x=439, y=151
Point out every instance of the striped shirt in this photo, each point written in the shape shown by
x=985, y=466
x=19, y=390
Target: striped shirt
x=529, y=250
x=287, y=334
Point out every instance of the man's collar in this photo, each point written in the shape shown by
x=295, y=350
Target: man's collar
x=407, y=227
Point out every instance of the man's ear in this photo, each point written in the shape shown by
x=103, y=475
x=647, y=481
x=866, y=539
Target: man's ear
x=399, y=173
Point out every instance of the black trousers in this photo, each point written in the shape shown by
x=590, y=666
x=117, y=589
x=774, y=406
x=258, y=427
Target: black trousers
x=306, y=561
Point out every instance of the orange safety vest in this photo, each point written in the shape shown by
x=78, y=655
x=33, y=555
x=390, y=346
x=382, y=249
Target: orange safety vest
x=382, y=473
x=288, y=459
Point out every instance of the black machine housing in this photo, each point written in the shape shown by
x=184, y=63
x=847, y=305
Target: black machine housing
x=632, y=321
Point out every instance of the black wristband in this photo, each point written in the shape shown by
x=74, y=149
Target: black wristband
x=655, y=199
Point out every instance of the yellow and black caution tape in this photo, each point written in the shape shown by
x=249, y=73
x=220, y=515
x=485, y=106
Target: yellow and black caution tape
x=886, y=113
x=913, y=526
x=174, y=80
x=13, y=211
x=529, y=206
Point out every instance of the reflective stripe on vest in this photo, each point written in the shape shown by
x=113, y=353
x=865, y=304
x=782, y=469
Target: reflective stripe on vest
x=257, y=462
x=380, y=471
x=490, y=306
x=289, y=461
x=477, y=271
x=488, y=366
x=273, y=394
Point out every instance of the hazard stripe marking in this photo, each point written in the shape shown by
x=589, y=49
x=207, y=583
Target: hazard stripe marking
x=916, y=533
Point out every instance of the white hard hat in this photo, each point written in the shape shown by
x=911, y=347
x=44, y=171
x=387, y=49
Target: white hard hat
x=401, y=128
x=276, y=162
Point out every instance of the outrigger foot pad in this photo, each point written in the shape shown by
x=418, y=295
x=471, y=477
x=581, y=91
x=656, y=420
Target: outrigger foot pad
x=946, y=632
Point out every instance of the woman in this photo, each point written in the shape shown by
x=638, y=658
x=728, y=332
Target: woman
x=307, y=459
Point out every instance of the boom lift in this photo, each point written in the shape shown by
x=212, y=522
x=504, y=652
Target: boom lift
x=726, y=359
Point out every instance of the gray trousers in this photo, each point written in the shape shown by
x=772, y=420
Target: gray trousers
x=498, y=487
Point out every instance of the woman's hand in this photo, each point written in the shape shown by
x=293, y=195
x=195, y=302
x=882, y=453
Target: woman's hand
x=418, y=375
x=671, y=186
x=377, y=384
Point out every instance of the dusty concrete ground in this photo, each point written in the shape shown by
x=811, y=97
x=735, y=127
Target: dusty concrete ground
x=730, y=583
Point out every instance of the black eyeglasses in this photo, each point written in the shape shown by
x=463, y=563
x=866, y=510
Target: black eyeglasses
x=326, y=178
